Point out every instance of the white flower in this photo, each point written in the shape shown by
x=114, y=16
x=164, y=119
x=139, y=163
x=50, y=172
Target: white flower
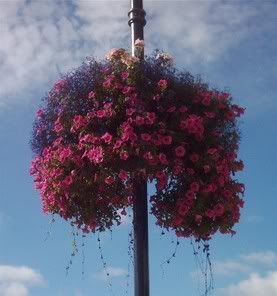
x=164, y=57
x=139, y=43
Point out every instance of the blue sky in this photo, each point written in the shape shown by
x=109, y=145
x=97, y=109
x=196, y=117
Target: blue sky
x=232, y=45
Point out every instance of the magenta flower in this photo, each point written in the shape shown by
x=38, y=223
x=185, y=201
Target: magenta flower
x=107, y=137
x=180, y=151
x=109, y=180
x=40, y=113
x=162, y=84
x=123, y=175
x=145, y=137
x=91, y=95
x=167, y=140
x=124, y=155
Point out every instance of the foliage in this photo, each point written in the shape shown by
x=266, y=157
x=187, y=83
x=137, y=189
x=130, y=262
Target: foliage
x=111, y=122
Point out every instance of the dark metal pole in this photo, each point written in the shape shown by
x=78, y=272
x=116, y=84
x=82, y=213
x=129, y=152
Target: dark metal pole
x=140, y=220
x=136, y=22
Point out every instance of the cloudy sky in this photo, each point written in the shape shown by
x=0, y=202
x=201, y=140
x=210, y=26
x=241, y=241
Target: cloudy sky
x=233, y=45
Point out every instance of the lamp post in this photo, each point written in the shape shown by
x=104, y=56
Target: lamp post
x=140, y=221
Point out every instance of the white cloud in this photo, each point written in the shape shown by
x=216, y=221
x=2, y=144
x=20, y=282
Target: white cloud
x=230, y=267
x=245, y=263
x=267, y=257
x=17, y=280
x=41, y=38
x=112, y=271
x=255, y=285
x=199, y=30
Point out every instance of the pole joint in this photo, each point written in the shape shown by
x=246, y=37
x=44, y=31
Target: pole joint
x=137, y=15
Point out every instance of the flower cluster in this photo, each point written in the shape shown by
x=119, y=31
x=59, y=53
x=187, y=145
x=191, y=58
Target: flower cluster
x=114, y=122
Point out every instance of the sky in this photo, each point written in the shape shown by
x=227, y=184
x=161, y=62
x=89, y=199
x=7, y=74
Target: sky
x=232, y=45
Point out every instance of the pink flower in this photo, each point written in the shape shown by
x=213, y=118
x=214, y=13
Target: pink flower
x=198, y=219
x=206, y=101
x=100, y=113
x=171, y=109
x=219, y=210
x=162, y=84
x=190, y=171
x=109, y=180
x=148, y=155
x=107, y=138
x=183, y=109
x=150, y=117
x=193, y=124
x=238, y=110
x=161, y=180
x=194, y=186
x=124, y=155
x=161, y=175
x=139, y=120
x=58, y=127
x=79, y=122
x=227, y=193
x=183, y=209
x=167, y=140
x=95, y=154
x=123, y=175
x=210, y=114
x=162, y=158
x=40, y=113
x=127, y=90
x=124, y=75
x=60, y=85
x=230, y=115
x=107, y=106
x=210, y=213
x=194, y=157
x=180, y=151
x=212, y=151
x=209, y=188
x=146, y=137
x=117, y=144
x=223, y=96
x=65, y=154
x=177, y=170
x=207, y=168
x=190, y=195
x=91, y=95
x=130, y=111
x=68, y=180
x=177, y=221
x=107, y=83
x=109, y=113
x=221, y=181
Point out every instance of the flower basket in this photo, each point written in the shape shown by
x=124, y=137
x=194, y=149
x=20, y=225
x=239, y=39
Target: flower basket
x=112, y=122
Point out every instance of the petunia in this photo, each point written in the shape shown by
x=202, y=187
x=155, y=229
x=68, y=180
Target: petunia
x=123, y=175
x=124, y=155
x=145, y=137
x=167, y=140
x=107, y=138
x=162, y=84
x=180, y=151
x=109, y=180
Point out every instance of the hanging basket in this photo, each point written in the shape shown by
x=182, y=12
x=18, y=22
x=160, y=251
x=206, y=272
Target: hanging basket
x=109, y=123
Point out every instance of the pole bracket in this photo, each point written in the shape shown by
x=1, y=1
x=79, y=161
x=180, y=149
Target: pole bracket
x=137, y=15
